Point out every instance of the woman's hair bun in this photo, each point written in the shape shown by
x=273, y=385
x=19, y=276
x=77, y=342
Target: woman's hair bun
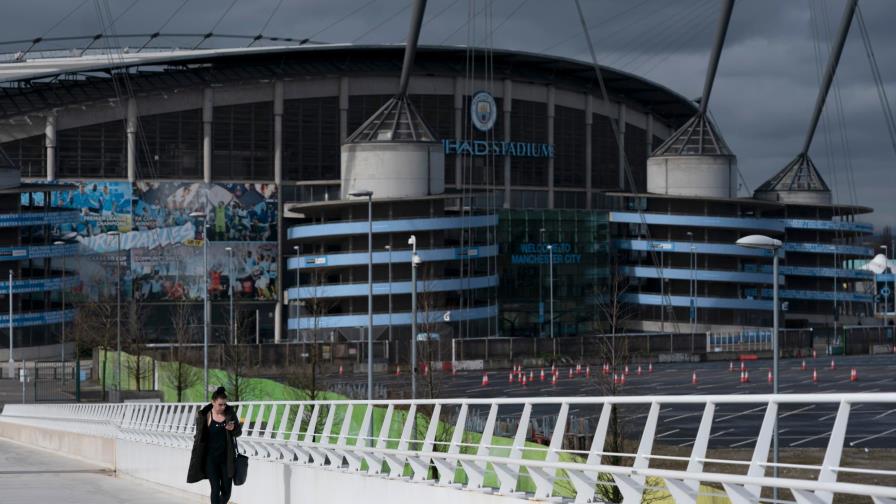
x=220, y=390
x=220, y=393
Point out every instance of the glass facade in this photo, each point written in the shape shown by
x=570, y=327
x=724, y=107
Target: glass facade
x=243, y=142
x=569, y=141
x=170, y=145
x=529, y=123
x=311, y=139
x=97, y=150
x=579, y=241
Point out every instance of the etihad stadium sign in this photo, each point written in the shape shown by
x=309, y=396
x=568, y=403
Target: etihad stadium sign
x=496, y=148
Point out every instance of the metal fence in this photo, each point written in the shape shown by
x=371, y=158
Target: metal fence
x=438, y=443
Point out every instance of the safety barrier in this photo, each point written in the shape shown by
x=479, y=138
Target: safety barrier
x=430, y=441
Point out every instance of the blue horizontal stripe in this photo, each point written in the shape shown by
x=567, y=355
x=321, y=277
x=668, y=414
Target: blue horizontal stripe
x=704, y=275
x=685, y=247
x=820, y=295
x=396, y=319
x=702, y=302
x=40, y=318
x=39, y=284
x=390, y=226
x=828, y=225
x=382, y=288
x=828, y=248
x=39, y=218
x=37, y=252
x=823, y=272
x=773, y=225
x=397, y=256
x=886, y=277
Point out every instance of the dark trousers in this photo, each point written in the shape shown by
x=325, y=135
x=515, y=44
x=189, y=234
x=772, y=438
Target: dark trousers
x=221, y=483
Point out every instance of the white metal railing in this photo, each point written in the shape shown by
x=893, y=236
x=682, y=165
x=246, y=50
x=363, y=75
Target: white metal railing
x=430, y=440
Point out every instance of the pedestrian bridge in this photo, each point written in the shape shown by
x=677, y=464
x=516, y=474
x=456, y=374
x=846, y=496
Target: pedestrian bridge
x=673, y=448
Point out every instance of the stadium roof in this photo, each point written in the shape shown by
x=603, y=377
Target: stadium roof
x=34, y=85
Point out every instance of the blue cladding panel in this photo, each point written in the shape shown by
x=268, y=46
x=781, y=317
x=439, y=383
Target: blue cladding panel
x=390, y=226
x=771, y=225
x=383, y=319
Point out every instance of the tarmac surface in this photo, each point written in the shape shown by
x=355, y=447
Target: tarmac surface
x=32, y=475
x=735, y=426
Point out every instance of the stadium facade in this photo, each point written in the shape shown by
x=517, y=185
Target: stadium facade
x=254, y=143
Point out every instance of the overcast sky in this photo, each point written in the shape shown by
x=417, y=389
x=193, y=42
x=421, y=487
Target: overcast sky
x=762, y=100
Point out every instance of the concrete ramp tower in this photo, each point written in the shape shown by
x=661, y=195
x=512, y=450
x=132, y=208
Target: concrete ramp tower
x=799, y=181
x=394, y=153
x=695, y=160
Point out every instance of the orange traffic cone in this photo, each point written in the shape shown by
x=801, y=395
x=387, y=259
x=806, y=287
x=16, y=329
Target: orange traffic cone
x=626, y=370
x=833, y=365
x=853, y=375
x=639, y=370
x=615, y=379
x=622, y=379
x=694, y=377
x=743, y=366
x=397, y=370
x=510, y=378
x=554, y=379
x=730, y=366
x=814, y=376
x=741, y=376
x=814, y=355
x=523, y=380
x=803, y=365
x=588, y=372
x=340, y=370
x=747, y=376
x=578, y=369
x=649, y=367
x=484, y=379
x=570, y=372
x=770, y=377
x=606, y=368
x=531, y=376
x=542, y=374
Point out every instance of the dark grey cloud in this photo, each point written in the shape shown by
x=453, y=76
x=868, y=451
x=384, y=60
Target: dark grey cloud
x=762, y=100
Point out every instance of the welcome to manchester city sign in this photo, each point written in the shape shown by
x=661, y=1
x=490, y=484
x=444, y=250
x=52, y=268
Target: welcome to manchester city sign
x=483, y=114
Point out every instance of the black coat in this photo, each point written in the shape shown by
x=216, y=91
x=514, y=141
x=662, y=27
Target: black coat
x=196, y=471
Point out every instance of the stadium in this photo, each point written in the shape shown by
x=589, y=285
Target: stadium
x=222, y=171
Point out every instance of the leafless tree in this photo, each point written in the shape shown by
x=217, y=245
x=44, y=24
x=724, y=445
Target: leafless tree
x=179, y=374
x=306, y=377
x=238, y=358
x=136, y=340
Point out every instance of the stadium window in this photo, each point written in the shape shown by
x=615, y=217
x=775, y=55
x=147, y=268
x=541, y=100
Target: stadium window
x=604, y=154
x=528, y=199
x=242, y=142
x=311, y=139
x=170, y=145
x=29, y=154
x=569, y=141
x=97, y=150
x=528, y=121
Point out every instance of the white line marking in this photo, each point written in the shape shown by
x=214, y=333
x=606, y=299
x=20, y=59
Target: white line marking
x=872, y=437
x=810, y=438
x=667, y=433
x=754, y=439
x=710, y=437
x=797, y=411
x=741, y=413
x=883, y=414
x=679, y=417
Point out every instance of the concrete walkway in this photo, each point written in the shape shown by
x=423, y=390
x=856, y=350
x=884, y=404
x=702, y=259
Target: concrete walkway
x=33, y=475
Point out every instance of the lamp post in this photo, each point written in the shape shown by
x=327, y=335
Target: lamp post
x=205, y=302
x=540, y=288
x=117, y=235
x=230, y=285
x=771, y=244
x=415, y=261
x=369, y=196
x=692, y=286
x=298, y=249
x=389, y=250
x=11, y=363
x=551, y=291
x=62, y=319
x=886, y=301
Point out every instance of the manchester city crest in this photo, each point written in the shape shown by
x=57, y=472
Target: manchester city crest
x=483, y=110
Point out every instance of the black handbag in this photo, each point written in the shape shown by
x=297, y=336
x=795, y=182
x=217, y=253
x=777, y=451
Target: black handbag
x=241, y=466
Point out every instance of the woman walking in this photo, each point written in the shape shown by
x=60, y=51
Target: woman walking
x=213, y=456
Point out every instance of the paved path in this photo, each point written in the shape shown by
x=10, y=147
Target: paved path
x=32, y=475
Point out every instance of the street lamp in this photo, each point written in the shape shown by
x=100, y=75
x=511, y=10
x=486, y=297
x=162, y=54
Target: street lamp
x=205, y=303
x=774, y=245
x=415, y=261
x=886, y=267
x=541, y=232
x=389, y=250
x=369, y=196
x=117, y=235
x=230, y=288
x=551, y=291
x=298, y=249
x=68, y=236
x=692, y=286
x=11, y=363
